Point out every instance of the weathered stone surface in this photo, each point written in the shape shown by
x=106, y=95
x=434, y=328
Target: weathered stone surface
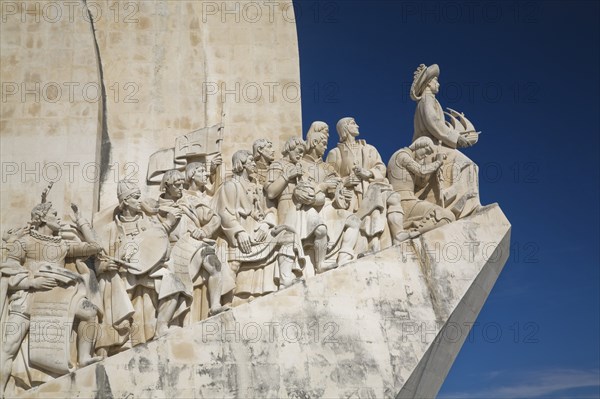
x=49, y=113
x=113, y=83
x=383, y=326
x=181, y=65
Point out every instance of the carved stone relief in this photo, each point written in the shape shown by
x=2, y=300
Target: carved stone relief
x=212, y=240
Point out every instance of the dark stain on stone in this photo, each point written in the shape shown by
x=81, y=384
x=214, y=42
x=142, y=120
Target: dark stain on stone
x=144, y=365
x=426, y=268
x=103, y=389
x=298, y=394
x=348, y=372
x=103, y=157
x=168, y=375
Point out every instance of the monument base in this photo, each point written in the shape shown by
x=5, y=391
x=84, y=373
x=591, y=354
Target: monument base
x=387, y=325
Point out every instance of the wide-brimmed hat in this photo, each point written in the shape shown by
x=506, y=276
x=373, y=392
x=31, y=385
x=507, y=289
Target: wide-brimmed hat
x=422, y=76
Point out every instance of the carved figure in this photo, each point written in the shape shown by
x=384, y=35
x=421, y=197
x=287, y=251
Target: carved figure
x=406, y=167
x=321, y=199
x=285, y=187
x=193, y=256
x=457, y=182
x=136, y=248
x=261, y=254
x=264, y=155
x=35, y=265
x=373, y=197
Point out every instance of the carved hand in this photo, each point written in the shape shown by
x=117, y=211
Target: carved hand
x=320, y=198
x=363, y=173
x=173, y=216
x=43, y=283
x=305, y=197
x=198, y=234
x=351, y=181
x=262, y=232
x=243, y=240
x=293, y=172
x=462, y=142
x=76, y=213
x=348, y=194
x=216, y=161
x=111, y=266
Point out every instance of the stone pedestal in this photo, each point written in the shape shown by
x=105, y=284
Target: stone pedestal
x=386, y=325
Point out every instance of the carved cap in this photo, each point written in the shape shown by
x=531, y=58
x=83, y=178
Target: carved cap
x=422, y=76
x=125, y=188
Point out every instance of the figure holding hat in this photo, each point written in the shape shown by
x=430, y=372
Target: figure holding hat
x=456, y=187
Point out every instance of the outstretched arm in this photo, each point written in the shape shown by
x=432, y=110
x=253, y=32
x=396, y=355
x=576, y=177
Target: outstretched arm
x=91, y=246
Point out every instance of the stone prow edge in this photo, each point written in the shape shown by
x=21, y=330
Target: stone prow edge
x=433, y=368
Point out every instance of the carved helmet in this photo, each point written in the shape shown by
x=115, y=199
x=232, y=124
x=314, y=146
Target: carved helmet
x=125, y=188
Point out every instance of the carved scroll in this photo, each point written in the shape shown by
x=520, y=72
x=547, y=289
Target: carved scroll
x=52, y=315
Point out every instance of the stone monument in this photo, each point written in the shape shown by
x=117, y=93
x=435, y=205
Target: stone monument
x=238, y=258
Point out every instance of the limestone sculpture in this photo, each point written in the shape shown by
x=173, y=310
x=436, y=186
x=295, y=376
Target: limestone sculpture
x=260, y=252
x=458, y=187
x=211, y=242
x=38, y=288
x=264, y=155
x=136, y=248
x=406, y=168
x=192, y=257
x=373, y=197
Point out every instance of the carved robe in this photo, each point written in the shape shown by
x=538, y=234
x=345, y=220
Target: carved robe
x=403, y=173
x=241, y=206
x=261, y=175
x=304, y=219
x=373, y=211
x=334, y=213
x=197, y=214
x=458, y=175
x=24, y=258
x=144, y=291
x=346, y=156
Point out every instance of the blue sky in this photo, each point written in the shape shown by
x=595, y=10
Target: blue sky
x=526, y=74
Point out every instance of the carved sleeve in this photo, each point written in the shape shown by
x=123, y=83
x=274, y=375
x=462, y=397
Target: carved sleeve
x=378, y=168
x=405, y=160
x=18, y=277
x=168, y=222
x=276, y=181
x=82, y=249
x=89, y=234
x=430, y=112
x=213, y=224
x=227, y=205
x=333, y=158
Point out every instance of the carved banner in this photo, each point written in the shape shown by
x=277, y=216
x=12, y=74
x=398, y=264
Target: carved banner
x=199, y=143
